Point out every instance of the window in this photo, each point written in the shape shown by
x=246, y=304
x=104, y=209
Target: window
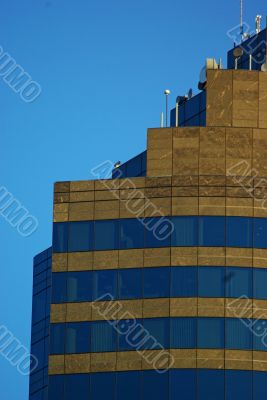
x=185, y=231
x=210, y=384
x=183, y=281
x=156, y=282
x=212, y=231
x=183, y=384
x=260, y=283
x=39, y=307
x=155, y=385
x=211, y=281
x=131, y=334
x=104, y=337
x=103, y=385
x=106, y=235
x=56, y=387
x=260, y=233
x=130, y=283
x=77, y=338
x=104, y=282
x=259, y=329
x=238, y=385
x=158, y=232
x=237, y=335
x=238, y=282
x=131, y=233
x=159, y=331
x=239, y=232
x=60, y=237
x=130, y=383
x=210, y=333
x=57, y=338
x=259, y=385
x=79, y=286
x=80, y=236
x=59, y=287
x=183, y=333
x=77, y=387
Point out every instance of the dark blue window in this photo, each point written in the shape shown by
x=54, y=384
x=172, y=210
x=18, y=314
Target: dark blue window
x=106, y=235
x=239, y=232
x=237, y=335
x=80, y=236
x=260, y=283
x=158, y=232
x=77, y=387
x=183, y=281
x=79, y=286
x=259, y=329
x=183, y=333
x=131, y=335
x=131, y=234
x=260, y=233
x=60, y=237
x=210, y=333
x=56, y=387
x=57, y=338
x=183, y=384
x=59, y=287
x=238, y=385
x=104, y=337
x=105, y=282
x=159, y=333
x=130, y=284
x=156, y=282
x=259, y=385
x=39, y=306
x=155, y=385
x=210, y=384
x=103, y=386
x=212, y=231
x=130, y=383
x=78, y=338
x=211, y=281
x=185, y=231
x=238, y=282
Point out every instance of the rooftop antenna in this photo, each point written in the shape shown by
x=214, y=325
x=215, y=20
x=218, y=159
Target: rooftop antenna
x=258, y=23
x=167, y=93
x=241, y=20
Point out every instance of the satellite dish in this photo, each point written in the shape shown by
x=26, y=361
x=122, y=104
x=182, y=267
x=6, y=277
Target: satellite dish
x=190, y=94
x=264, y=67
x=238, y=52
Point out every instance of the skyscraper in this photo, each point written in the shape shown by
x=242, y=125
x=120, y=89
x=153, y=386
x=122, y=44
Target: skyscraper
x=159, y=274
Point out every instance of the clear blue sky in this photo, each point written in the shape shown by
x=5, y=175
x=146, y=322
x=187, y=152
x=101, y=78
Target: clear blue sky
x=103, y=67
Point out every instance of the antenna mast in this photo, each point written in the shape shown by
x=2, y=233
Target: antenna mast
x=241, y=20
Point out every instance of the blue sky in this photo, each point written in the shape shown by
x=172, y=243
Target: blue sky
x=103, y=67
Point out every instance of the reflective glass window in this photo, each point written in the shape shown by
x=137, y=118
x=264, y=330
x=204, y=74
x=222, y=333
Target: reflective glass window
x=80, y=236
x=106, y=235
x=134, y=166
x=105, y=283
x=237, y=335
x=183, y=281
x=239, y=232
x=131, y=334
x=104, y=337
x=59, y=287
x=212, y=231
x=259, y=385
x=130, y=383
x=158, y=232
x=56, y=387
x=210, y=384
x=57, y=338
x=39, y=307
x=238, y=385
x=156, y=282
x=155, y=385
x=159, y=333
x=183, y=384
x=259, y=330
x=238, y=282
x=260, y=233
x=185, y=231
x=79, y=286
x=211, y=281
x=103, y=385
x=130, y=283
x=78, y=337
x=132, y=232
x=183, y=333
x=77, y=387
x=260, y=283
x=60, y=237
x=210, y=333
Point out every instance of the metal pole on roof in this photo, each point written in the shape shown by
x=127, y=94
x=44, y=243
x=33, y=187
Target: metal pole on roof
x=241, y=20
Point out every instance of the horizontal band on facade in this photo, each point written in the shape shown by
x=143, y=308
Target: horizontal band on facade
x=159, y=257
x=159, y=308
x=151, y=359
